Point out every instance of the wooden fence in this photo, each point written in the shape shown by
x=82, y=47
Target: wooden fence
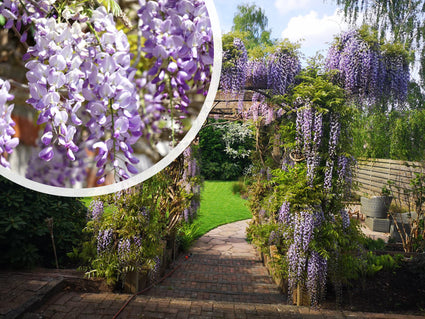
x=373, y=174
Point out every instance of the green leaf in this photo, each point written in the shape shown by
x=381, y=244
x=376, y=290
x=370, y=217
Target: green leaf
x=112, y=6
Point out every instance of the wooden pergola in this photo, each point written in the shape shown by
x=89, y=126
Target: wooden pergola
x=226, y=105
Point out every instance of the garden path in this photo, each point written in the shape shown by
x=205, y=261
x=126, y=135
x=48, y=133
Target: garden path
x=222, y=278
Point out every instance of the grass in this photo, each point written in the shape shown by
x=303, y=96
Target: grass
x=86, y=201
x=220, y=206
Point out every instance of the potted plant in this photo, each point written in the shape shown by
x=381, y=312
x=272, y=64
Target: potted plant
x=377, y=206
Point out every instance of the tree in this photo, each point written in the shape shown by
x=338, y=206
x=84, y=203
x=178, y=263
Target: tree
x=252, y=22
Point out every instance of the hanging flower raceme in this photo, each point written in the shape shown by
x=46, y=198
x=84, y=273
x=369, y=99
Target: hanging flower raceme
x=84, y=81
x=368, y=71
x=309, y=128
x=234, y=73
x=179, y=37
x=303, y=261
x=60, y=170
x=7, y=142
x=112, y=99
x=190, y=183
x=283, y=65
x=20, y=19
x=81, y=81
x=335, y=130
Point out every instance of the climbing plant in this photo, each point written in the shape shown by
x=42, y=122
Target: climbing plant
x=303, y=154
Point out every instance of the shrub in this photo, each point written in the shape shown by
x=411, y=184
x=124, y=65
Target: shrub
x=224, y=156
x=25, y=239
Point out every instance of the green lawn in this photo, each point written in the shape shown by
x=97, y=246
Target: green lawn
x=219, y=206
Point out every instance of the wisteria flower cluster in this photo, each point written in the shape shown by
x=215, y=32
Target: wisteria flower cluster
x=61, y=171
x=19, y=19
x=83, y=80
x=7, y=141
x=85, y=90
x=104, y=240
x=366, y=70
x=273, y=74
x=96, y=209
x=190, y=183
x=335, y=130
x=309, y=128
x=235, y=65
x=283, y=66
x=303, y=261
x=179, y=37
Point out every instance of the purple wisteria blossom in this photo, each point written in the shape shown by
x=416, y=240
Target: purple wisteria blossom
x=7, y=142
x=233, y=77
x=335, y=130
x=79, y=80
x=124, y=250
x=283, y=66
x=19, y=19
x=303, y=261
x=59, y=171
x=285, y=216
x=137, y=241
x=179, y=37
x=365, y=71
x=257, y=73
x=309, y=130
x=317, y=268
x=345, y=219
x=96, y=209
x=104, y=240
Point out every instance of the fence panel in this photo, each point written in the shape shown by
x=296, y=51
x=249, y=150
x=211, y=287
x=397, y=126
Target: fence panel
x=373, y=174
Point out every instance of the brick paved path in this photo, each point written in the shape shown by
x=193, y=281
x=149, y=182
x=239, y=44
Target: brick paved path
x=223, y=278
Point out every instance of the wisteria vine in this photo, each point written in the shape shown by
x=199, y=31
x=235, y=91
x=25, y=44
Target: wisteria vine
x=369, y=72
x=267, y=76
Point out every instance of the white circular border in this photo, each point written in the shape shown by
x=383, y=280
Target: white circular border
x=175, y=152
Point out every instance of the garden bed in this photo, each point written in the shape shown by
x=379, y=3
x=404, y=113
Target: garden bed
x=400, y=291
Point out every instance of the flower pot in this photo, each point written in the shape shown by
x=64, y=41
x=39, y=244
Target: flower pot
x=376, y=206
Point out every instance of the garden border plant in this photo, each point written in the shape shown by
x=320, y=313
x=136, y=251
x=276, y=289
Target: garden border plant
x=25, y=239
x=129, y=231
x=412, y=197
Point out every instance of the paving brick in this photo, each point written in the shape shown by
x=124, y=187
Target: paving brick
x=224, y=278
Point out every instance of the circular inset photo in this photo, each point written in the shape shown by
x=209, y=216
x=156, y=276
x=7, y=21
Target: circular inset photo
x=96, y=97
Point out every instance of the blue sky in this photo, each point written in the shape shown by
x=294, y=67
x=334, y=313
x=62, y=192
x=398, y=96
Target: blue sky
x=315, y=21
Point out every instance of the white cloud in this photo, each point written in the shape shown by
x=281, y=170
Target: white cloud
x=285, y=6
x=317, y=32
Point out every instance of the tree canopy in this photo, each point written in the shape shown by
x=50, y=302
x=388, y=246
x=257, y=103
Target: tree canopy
x=251, y=22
